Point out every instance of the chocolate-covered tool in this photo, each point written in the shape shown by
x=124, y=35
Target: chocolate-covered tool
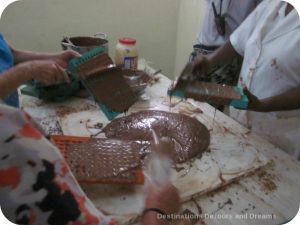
x=104, y=81
x=187, y=86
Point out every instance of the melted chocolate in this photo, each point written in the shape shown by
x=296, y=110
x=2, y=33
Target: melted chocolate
x=136, y=79
x=110, y=88
x=100, y=159
x=212, y=92
x=189, y=137
x=106, y=83
x=96, y=64
x=87, y=41
x=130, y=140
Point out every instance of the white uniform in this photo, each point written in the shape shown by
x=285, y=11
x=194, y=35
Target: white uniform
x=270, y=44
x=235, y=11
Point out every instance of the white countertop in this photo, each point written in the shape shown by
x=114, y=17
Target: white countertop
x=270, y=195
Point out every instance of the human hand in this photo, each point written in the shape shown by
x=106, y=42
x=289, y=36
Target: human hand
x=64, y=57
x=254, y=103
x=164, y=197
x=201, y=65
x=46, y=71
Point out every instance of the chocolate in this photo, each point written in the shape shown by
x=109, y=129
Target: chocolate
x=212, y=93
x=96, y=64
x=189, y=137
x=106, y=83
x=208, y=92
x=129, y=141
x=87, y=41
x=136, y=79
x=101, y=159
x=110, y=89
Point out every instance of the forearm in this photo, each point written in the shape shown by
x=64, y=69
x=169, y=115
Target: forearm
x=222, y=55
x=13, y=78
x=289, y=100
x=24, y=56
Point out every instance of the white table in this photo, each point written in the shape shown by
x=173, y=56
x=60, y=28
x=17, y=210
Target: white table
x=269, y=196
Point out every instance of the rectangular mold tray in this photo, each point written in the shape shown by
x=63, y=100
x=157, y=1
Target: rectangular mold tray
x=62, y=143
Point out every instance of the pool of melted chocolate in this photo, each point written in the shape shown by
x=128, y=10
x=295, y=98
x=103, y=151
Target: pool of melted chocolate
x=129, y=141
x=189, y=137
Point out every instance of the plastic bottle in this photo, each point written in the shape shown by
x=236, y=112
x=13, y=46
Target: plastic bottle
x=126, y=53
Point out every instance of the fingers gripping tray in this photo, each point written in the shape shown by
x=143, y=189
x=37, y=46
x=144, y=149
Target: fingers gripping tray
x=104, y=81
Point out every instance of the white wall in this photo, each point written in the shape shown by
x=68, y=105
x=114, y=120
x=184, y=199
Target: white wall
x=165, y=29
x=40, y=25
x=190, y=20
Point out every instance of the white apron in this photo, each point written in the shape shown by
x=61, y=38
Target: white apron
x=270, y=44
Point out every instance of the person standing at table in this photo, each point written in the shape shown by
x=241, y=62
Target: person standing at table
x=221, y=18
x=269, y=41
x=18, y=67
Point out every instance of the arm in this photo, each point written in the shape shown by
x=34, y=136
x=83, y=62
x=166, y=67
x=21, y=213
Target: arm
x=61, y=58
x=12, y=79
x=289, y=100
x=45, y=71
x=222, y=55
x=23, y=56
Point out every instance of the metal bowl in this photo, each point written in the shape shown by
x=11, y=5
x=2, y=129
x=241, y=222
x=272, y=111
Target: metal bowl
x=82, y=44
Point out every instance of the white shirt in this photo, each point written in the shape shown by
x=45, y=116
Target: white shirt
x=235, y=12
x=270, y=44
